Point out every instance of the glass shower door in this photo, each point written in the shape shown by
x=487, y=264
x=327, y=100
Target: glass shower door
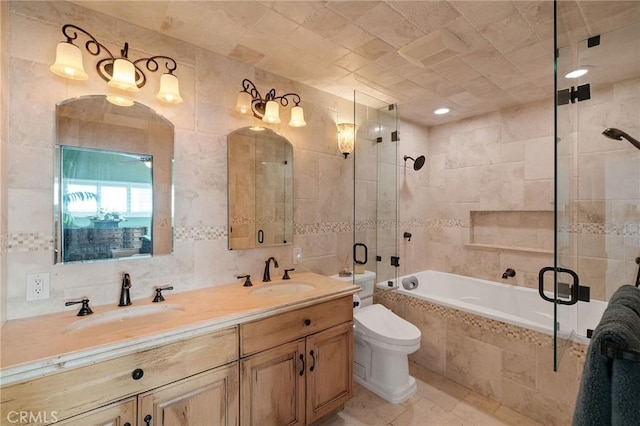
x=376, y=206
x=597, y=194
x=565, y=259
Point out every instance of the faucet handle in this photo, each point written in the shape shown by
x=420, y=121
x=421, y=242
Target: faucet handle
x=247, y=281
x=286, y=274
x=159, y=297
x=84, y=310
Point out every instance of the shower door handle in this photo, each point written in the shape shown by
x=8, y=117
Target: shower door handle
x=355, y=255
x=575, y=288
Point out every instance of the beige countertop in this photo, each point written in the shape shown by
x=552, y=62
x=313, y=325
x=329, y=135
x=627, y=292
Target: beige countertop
x=37, y=346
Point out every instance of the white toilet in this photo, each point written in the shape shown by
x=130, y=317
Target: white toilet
x=383, y=341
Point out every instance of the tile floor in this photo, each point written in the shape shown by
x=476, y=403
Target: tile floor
x=438, y=402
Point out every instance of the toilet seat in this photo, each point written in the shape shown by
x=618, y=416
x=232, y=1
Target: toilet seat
x=379, y=323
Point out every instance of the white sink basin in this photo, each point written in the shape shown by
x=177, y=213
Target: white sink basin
x=132, y=316
x=282, y=289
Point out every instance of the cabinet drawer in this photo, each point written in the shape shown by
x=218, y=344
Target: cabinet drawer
x=282, y=328
x=79, y=390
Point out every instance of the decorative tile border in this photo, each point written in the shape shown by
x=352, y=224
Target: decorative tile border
x=498, y=327
x=322, y=228
x=29, y=241
x=530, y=336
x=626, y=229
x=200, y=233
x=34, y=241
x=4, y=243
x=246, y=220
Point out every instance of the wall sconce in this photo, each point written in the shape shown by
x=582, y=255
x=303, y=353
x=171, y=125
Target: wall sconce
x=268, y=108
x=346, y=138
x=122, y=75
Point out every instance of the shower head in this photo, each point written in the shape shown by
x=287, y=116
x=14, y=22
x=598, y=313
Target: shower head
x=417, y=162
x=618, y=134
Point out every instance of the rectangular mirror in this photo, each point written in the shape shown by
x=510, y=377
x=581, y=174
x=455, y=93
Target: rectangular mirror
x=260, y=188
x=113, y=181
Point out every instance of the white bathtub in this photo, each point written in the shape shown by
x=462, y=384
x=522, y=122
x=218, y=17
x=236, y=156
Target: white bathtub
x=511, y=304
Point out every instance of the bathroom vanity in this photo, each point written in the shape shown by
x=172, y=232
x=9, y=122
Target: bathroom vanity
x=228, y=355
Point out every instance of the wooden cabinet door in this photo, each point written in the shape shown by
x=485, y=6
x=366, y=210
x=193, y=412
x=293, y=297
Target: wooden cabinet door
x=121, y=413
x=206, y=399
x=273, y=387
x=329, y=370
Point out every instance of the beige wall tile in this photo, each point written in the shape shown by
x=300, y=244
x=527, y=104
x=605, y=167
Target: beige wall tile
x=474, y=364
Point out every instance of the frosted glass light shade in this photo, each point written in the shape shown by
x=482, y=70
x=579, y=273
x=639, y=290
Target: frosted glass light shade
x=297, y=117
x=69, y=62
x=124, y=76
x=346, y=138
x=271, y=112
x=118, y=97
x=244, y=102
x=169, y=89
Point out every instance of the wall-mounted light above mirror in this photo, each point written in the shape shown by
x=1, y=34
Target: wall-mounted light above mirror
x=113, y=181
x=250, y=101
x=123, y=76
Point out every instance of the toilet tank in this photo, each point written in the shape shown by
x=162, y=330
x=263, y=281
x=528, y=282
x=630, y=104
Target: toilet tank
x=366, y=282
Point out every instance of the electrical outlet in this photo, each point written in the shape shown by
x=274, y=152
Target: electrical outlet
x=297, y=255
x=38, y=286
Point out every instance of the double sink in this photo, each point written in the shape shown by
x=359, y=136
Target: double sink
x=158, y=313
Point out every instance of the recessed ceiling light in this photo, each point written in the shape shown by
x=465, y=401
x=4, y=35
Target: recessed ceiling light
x=441, y=111
x=578, y=72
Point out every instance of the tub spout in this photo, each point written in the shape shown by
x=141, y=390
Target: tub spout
x=508, y=273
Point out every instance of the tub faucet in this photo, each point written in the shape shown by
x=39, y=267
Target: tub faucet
x=508, y=273
x=266, y=277
x=125, y=298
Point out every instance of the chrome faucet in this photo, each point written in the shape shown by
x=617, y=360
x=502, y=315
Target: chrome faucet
x=266, y=277
x=125, y=298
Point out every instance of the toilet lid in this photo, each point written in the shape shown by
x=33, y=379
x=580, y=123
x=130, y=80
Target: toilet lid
x=380, y=323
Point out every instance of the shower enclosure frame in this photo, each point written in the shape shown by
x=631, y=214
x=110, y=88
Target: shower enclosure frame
x=375, y=217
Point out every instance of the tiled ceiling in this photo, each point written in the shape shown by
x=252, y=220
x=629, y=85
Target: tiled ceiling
x=342, y=46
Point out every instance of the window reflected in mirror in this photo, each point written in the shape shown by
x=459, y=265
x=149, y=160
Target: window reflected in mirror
x=113, y=183
x=107, y=204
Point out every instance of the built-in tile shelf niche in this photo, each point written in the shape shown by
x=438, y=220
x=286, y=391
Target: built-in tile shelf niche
x=517, y=230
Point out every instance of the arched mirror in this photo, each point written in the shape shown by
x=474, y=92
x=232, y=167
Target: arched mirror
x=113, y=181
x=260, y=167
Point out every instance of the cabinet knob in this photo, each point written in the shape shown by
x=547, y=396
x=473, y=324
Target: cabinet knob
x=137, y=374
x=147, y=419
x=127, y=424
x=307, y=322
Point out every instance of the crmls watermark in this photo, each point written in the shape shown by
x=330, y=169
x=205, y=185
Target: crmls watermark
x=32, y=417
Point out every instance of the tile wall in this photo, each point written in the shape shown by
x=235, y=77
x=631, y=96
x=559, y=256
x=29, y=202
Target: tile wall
x=4, y=65
x=488, y=166
x=484, y=200
x=508, y=364
x=496, y=162
x=209, y=83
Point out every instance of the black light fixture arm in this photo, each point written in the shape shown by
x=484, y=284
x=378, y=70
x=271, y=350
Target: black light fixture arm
x=92, y=45
x=258, y=103
x=271, y=96
x=250, y=88
x=152, y=63
x=105, y=66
